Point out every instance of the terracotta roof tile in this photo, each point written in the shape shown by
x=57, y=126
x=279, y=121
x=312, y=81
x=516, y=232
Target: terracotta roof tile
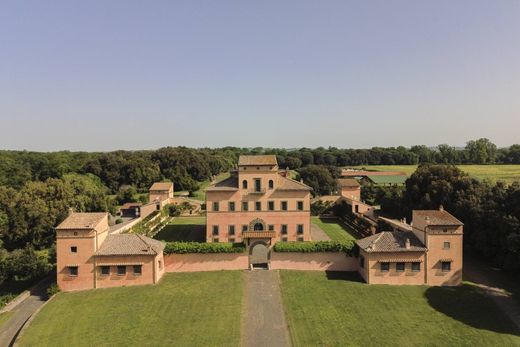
x=257, y=160
x=130, y=244
x=286, y=183
x=437, y=217
x=348, y=182
x=230, y=183
x=391, y=241
x=161, y=186
x=82, y=220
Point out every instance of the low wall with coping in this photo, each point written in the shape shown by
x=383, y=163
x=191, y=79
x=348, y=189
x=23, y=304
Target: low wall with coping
x=323, y=261
x=192, y=262
x=13, y=303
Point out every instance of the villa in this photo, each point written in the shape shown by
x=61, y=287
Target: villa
x=258, y=205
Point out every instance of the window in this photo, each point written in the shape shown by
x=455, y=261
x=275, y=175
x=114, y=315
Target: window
x=299, y=229
x=74, y=249
x=284, y=205
x=231, y=205
x=445, y=230
x=258, y=206
x=284, y=229
x=215, y=230
x=385, y=267
x=362, y=262
x=416, y=267
x=446, y=245
x=215, y=206
x=258, y=185
x=446, y=266
x=270, y=205
x=121, y=270
x=231, y=230
x=245, y=206
x=73, y=271
x=244, y=227
x=300, y=238
x=399, y=266
x=271, y=184
x=138, y=270
x=300, y=205
x=270, y=227
x=105, y=270
x=244, y=184
x=231, y=239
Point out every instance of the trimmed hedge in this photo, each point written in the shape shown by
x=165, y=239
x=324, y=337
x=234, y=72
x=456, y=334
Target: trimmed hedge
x=315, y=246
x=197, y=247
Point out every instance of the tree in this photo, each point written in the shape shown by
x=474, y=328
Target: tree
x=319, y=178
x=481, y=151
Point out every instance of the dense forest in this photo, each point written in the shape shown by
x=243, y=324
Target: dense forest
x=37, y=189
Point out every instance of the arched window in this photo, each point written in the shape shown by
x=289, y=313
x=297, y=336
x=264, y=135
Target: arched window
x=258, y=227
x=271, y=184
x=244, y=184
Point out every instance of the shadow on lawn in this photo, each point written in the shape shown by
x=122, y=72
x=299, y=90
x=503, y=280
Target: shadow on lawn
x=469, y=305
x=344, y=276
x=182, y=232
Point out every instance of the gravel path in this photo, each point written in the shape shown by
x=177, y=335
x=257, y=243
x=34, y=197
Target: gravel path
x=264, y=322
x=317, y=233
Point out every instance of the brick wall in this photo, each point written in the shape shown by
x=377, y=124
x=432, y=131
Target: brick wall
x=205, y=262
x=326, y=261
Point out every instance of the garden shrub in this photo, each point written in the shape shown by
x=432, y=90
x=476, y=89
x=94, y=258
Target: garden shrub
x=53, y=289
x=315, y=246
x=197, y=247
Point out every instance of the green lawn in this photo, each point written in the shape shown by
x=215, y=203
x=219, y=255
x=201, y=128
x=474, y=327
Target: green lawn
x=507, y=173
x=333, y=309
x=184, y=229
x=333, y=228
x=185, y=309
x=4, y=317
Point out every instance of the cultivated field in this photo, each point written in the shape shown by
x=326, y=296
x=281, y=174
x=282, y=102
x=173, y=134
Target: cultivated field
x=184, y=229
x=334, y=230
x=333, y=309
x=506, y=173
x=186, y=309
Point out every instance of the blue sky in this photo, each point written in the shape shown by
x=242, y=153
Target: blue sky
x=104, y=75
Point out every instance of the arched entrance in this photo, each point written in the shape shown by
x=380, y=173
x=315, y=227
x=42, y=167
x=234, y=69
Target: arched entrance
x=258, y=227
x=259, y=254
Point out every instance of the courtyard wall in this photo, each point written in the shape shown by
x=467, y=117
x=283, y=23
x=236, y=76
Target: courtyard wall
x=323, y=261
x=192, y=262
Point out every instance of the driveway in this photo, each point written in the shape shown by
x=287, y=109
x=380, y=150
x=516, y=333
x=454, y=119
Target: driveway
x=24, y=311
x=263, y=322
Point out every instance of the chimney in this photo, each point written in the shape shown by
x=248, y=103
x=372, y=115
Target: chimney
x=71, y=211
x=427, y=219
x=301, y=180
x=407, y=243
x=441, y=208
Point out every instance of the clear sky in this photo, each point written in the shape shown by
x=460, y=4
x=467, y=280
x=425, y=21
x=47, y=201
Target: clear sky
x=104, y=75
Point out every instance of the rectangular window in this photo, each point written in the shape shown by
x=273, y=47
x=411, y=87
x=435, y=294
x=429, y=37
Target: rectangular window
x=300, y=205
x=446, y=266
x=399, y=267
x=446, y=245
x=270, y=227
x=138, y=270
x=258, y=206
x=73, y=271
x=121, y=270
x=258, y=185
x=215, y=230
x=105, y=270
x=231, y=230
x=416, y=267
x=215, y=206
x=244, y=227
x=385, y=267
x=300, y=239
x=284, y=229
x=284, y=205
x=299, y=229
x=74, y=249
x=232, y=206
x=245, y=206
x=270, y=205
x=231, y=239
x=362, y=261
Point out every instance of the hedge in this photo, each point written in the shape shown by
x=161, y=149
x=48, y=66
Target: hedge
x=197, y=247
x=315, y=246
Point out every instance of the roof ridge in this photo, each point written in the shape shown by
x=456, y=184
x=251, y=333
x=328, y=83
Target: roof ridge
x=377, y=239
x=295, y=181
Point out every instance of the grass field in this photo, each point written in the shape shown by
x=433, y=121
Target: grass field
x=185, y=309
x=330, y=309
x=335, y=230
x=507, y=173
x=184, y=229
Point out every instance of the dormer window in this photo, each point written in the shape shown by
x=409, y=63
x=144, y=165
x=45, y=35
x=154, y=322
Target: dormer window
x=244, y=184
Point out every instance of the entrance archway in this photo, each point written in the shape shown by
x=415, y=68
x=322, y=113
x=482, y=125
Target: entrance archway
x=259, y=254
x=258, y=227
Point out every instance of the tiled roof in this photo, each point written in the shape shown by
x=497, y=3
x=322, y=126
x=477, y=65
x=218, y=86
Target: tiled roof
x=391, y=241
x=230, y=183
x=286, y=183
x=437, y=217
x=130, y=244
x=348, y=182
x=257, y=160
x=130, y=205
x=161, y=186
x=82, y=220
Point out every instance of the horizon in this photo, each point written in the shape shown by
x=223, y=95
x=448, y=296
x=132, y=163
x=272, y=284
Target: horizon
x=100, y=76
